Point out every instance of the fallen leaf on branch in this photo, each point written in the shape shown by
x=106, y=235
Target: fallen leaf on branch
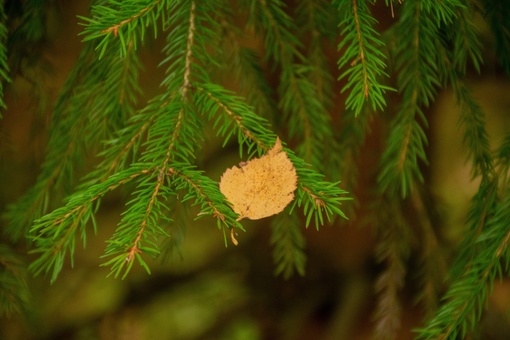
x=261, y=187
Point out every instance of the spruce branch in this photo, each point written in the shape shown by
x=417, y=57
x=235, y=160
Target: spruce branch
x=139, y=229
x=418, y=79
x=245, y=64
x=444, y=11
x=354, y=130
x=318, y=197
x=306, y=116
x=476, y=137
x=205, y=193
x=464, y=36
x=363, y=56
x=189, y=52
x=480, y=260
x=54, y=234
x=72, y=133
x=269, y=18
x=466, y=41
x=393, y=250
x=316, y=22
x=168, y=116
x=125, y=22
x=251, y=129
x=432, y=259
x=288, y=245
x=117, y=151
x=14, y=289
x=390, y=4
x=171, y=114
x=465, y=299
x=481, y=209
x=153, y=148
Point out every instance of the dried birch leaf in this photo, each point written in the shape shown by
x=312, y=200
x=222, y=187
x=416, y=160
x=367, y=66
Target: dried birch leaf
x=262, y=186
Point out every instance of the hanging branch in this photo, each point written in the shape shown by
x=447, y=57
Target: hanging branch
x=393, y=250
x=362, y=56
x=244, y=64
x=125, y=21
x=466, y=297
x=155, y=150
x=307, y=117
x=109, y=98
x=418, y=79
x=289, y=244
x=15, y=297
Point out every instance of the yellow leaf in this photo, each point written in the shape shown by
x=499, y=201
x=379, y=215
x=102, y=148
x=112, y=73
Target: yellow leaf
x=262, y=186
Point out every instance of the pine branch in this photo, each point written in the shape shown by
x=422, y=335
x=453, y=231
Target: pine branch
x=161, y=125
x=317, y=196
x=483, y=252
x=139, y=229
x=126, y=21
x=205, y=193
x=306, y=116
x=154, y=151
x=269, y=18
x=444, y=11
x=107, y=89
x=245, y=65
x=393, y=250
x=482, y=208
x=466, y=40
x=55, y=233
x=467, y=296
x=364, y=56
x=140, y=225
x=14, y=291
x=476, y=137
x=433, y=273
x=353, y=132
x=463, y=35
x=171, y=247
x=316, y=23
x=288, y=245
x=418, y=78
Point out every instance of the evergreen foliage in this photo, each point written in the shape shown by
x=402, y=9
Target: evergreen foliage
x=151, y=150
x=14, y=291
